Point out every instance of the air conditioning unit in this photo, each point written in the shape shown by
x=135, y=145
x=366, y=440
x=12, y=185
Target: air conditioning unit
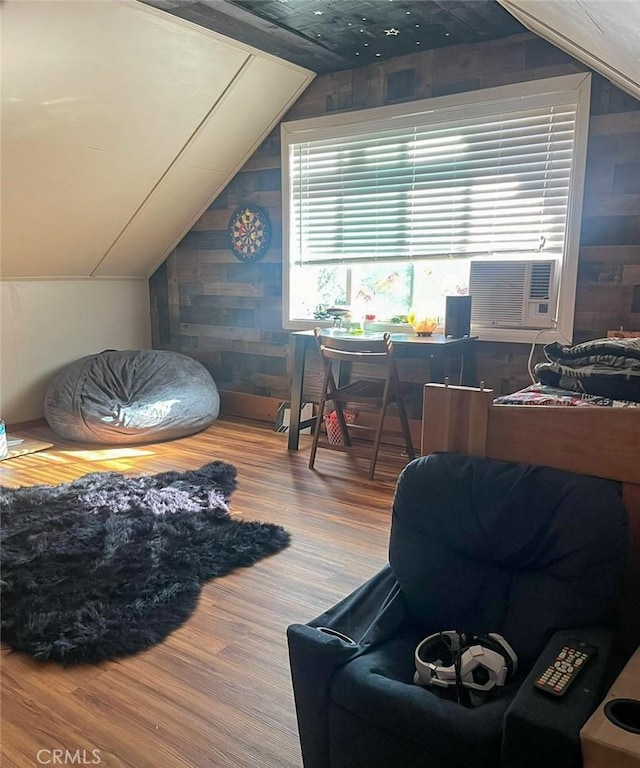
x=513, y=293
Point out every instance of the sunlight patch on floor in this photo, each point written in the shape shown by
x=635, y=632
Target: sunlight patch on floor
x=107, y=454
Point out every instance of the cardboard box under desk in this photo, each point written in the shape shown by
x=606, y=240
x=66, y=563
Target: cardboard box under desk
x=604, y=744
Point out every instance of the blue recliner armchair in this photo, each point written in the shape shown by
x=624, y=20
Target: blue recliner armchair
x=532, y=553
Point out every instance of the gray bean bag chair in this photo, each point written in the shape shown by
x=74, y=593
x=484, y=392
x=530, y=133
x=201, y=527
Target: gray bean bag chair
x=131, y=396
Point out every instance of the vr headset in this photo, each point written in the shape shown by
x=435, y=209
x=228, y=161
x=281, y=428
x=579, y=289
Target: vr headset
x=470, y=666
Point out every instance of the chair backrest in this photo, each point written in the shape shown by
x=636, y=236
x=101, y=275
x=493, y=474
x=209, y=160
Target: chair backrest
x=355, y=349
x=358, y=351
x=374, y=350
x=491, y=546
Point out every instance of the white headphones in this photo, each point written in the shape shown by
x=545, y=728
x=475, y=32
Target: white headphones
x=451, y=658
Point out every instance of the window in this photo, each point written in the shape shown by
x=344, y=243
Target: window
x=389, y=210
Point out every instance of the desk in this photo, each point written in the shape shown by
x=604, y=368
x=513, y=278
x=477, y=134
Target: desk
x=433, y=349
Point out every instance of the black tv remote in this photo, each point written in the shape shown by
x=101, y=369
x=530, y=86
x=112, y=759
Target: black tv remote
x=559, y=675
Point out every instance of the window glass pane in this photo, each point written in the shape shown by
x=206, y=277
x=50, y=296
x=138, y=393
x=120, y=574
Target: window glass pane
x=436, y=279
x=314, y=287
x=383, y=290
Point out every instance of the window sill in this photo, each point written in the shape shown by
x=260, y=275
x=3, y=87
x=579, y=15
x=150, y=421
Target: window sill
x=505, y=335
x=519, y=335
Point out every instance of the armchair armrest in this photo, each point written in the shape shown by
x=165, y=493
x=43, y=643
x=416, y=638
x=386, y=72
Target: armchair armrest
x=313, y=657
x=316, y=650
x=543, y=730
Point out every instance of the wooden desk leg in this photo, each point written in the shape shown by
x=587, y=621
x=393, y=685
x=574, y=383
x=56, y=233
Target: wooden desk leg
x=436, y=369
x=297, y=384
x=470, y=365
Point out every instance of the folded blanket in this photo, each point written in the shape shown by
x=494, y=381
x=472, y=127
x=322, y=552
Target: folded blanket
x=611, y=353
x=601, y=367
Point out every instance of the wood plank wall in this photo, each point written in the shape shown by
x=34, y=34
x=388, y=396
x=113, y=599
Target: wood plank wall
x=227, y=314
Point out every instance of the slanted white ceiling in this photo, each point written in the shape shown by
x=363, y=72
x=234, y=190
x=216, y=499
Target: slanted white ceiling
x=120, y=124
x=603, y=34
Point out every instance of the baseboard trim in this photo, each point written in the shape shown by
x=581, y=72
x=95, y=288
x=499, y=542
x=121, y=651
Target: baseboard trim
x=17, y=426
x=246, y=406
x=260, y=408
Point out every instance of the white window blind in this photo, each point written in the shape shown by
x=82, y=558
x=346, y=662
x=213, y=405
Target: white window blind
x=491, y=184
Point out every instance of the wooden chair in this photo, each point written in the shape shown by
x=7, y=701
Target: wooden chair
x=371, y=395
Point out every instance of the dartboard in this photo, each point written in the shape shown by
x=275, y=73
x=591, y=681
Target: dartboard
x=249, y=232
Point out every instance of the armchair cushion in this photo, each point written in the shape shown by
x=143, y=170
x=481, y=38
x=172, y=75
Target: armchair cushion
x=502, y=547
x=378, y=687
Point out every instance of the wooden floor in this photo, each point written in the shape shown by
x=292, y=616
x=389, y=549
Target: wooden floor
x=217, y=691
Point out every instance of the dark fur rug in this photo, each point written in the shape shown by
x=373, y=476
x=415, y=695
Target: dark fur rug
x=110, y=564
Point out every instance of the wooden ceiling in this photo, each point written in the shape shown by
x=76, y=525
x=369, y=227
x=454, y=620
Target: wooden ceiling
x=333, y=35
